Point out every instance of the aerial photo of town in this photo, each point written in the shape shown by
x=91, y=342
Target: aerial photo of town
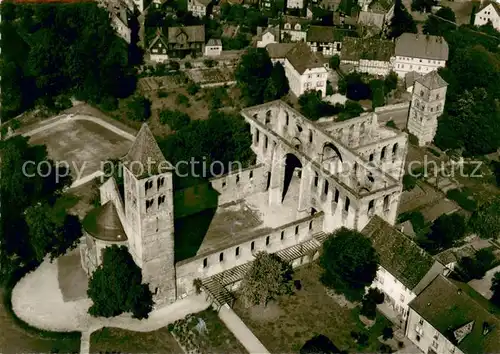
x=250, y=176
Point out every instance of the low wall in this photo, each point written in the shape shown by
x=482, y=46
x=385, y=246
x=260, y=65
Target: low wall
x=238, y=185
x=391, y=107
x=269, y=240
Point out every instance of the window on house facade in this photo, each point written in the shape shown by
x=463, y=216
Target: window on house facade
x=434, y=344
x=221, y=257
x=337, y=194
x=237, y=252
x=250, y=175
x=268, y=240
x=421, y=322
x=347, y=203
x=296, y=230
x=402, y=298
x=282, y=236
x=205, y=263
x=252, y=246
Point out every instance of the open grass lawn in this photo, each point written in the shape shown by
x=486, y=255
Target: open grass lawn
x=14, y=339
x=120, y=340
x=284, y=326
x=216, y=339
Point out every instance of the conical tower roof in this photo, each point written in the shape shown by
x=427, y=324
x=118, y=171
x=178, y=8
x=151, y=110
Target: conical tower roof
x=145, y=157
x=104, y=223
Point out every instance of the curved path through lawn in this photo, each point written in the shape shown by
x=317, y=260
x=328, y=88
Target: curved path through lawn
x=37, y=300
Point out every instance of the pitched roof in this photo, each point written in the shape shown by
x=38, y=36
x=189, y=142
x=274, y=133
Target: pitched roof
x=159, y=38
x=449, y=305
x=204, y=2
x=411, y=77
x=372, y=18
x=104, y=223
x=194, y=33
x=455, y=254
x=381, y=5
x=145, y=157
x=432, y=80
x=415, y=45
x=279, y=50
x=370, y=49
x=214, y=42
x=326, y=34
x=274, y=30
x=495, y=5
x=302, y=58
x=399, y=255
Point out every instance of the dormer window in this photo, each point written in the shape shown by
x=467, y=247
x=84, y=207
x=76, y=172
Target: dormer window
x=287, y=26
x=297, y=27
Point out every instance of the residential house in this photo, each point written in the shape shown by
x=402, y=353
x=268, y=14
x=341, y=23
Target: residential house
x=345, y=21
x=377, y=15
x=449, y=317
x=410, y=79
x=420, y=53
x=189, y=40
x=267, y=36
x=200, y=8
x=293, y=29
x=266, y=5
x=405, y=269
x=305, y=70
x=326, y=40
x=368, y=55
x=158, y=48
x=278, y=51
x=452, y=256
x=120, y=14
x=213, y=48
x=489, y=12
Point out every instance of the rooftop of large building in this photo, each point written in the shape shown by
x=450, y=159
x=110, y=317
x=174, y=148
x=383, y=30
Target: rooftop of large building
x=460, y=314
x=301, y=57
x=279, y=50
x=432, y=80
x=399, y=255
x=104, y=223
x=414, y=45
x=354, y=49
x=191, y=33
x=328, y=34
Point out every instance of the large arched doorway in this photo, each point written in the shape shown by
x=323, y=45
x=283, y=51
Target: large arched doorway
x=293, y=174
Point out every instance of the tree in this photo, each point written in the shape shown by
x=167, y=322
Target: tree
x=252, y=73
x=335, y=62
x=313, y=107
x=351, y=109
x=354, y=87
x=377, y=93
x=387, y=333
x=441, y=22
x=349, y=263
x=495, y=288
x=477, y=266
x=319, y=344
x=391, y=82
x=277, y=84
x=423, y=5
x=485, y=221
x=174, y=118
x=51, y=231
x=446, y=230
x=139, y=109
x=402, y=21
x=268, y=278
x=370, y=301
x=116, y=286
x=409, y=182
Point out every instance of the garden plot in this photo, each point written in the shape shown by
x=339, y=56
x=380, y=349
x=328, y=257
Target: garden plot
x=212, y=77
x=155, y=83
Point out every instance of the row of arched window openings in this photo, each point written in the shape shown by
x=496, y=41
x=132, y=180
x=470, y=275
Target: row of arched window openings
x=250, y=177
x=150, y=202
x=326, y=187
x=149, y=184
x=383, y=153
x=371, y=205
x=237, y=251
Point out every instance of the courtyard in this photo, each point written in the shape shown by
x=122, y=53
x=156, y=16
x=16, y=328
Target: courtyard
x=285, y=325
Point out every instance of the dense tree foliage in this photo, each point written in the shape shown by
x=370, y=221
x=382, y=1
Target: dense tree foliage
x=313, y=107
x=139, y=109
x=391, y=82
x=445, y=231
x=370, y=301
x=247, y=17
x=31, y=225
x=319, y=344
x=441, y=22
x=335, y=62
x=48, y=49
x=174, y=118
x=402, y=21
x=354, y=86
x=423, y=5
x=350, y=110
x=495, y=288
x=268, y=278
x=377, y=88
x=349, y=263
x=222, y=137
x=253, y=73
x=277, y=84
x=476, y=267
x=485, y=221
x=116, y=286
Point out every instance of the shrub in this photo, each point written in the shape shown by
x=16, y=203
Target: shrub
x=109, y=104
x=174, y=118
x=193, y=88
x=409, y=182
x=387, y=333
x=173, y=65
x=368, y=308
x=462, y=199
x=412, y=139
x=15, y=124
x=139, y=109
x=385, y=348
x=162, y=94
x=182, y=100
x=329, y=88
x=391, y=124
x=210, y=63
x=187, y=65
